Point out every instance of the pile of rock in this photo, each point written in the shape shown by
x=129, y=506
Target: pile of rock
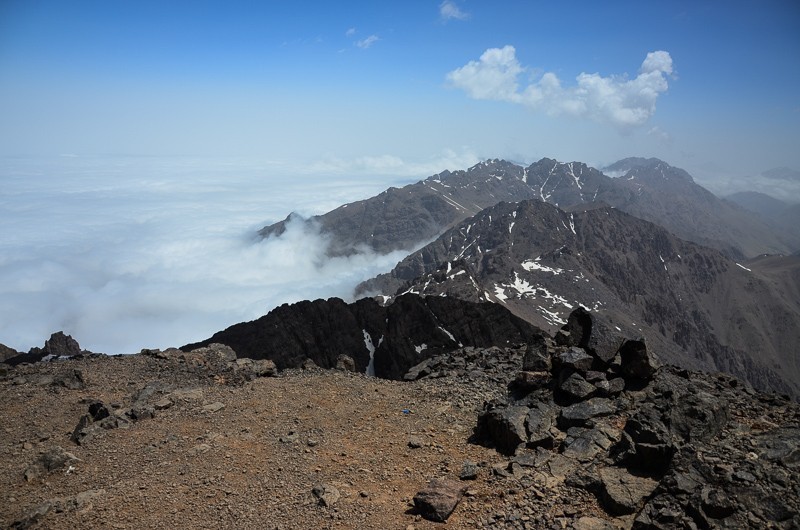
x=218, y=361
x=657, y=447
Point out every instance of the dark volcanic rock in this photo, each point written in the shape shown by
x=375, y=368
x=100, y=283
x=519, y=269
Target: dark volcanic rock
x=576, y=387
x=573, y=359
x=637, y=361
x=404, y=334
x=58, y=345
x=579, y=414
x=438, y=499
x=505, y=426
x=589, y=332
x=536, y=359
x=647, y=443
x=699, y=416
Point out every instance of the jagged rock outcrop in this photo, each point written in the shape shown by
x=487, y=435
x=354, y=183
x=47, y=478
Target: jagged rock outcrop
x=384, y=340
x=59, y=345
x=672, y=449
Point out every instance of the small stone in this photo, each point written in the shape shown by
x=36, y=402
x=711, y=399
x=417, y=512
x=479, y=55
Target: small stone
x=214, y=407
x=415, y=442
x=163, y=404
x=469, y=471
x=438, y=499
x=326, y=494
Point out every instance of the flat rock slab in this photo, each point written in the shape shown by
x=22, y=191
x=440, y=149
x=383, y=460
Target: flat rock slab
x=439, y=498
x=622, y=493
x=578, y=414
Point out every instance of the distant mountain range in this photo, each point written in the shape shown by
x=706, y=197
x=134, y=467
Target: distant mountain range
x=640, y=244
x=646, y=188
x=782, y=216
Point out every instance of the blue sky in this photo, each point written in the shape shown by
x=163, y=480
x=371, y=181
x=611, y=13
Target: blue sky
x=370, y=85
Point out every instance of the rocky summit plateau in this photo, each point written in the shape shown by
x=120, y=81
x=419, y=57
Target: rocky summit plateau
x=560, y=431
x=566, y=348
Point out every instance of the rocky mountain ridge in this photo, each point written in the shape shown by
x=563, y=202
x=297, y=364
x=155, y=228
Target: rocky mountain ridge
x=697, y=307
x=380, y=340
x=647, y=188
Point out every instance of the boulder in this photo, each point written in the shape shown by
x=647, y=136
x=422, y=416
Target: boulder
x=589, y=332
x=647, y=442
x=504, y=427
x=438, y=499
x=71, y=379
x=637, y=361
x=525, y=382
x=53, y=459
x=345, y=363
x=576, y=387
x=536, y=358
x=264, y=368
x=539, y=421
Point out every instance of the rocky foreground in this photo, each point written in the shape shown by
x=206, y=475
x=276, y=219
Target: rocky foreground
x=556, y=433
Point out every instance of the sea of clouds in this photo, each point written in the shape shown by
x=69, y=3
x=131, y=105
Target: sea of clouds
x=125, y=253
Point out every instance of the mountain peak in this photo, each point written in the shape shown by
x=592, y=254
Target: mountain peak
x=651, y=170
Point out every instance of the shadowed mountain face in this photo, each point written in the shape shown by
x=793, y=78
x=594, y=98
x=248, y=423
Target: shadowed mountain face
x=384, y=341
x=696, y=307
x=647, y=188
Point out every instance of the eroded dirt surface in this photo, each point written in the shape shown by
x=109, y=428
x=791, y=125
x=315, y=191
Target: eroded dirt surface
x=250, y=464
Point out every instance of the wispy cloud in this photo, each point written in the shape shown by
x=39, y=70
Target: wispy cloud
x=368, y=42
x=394, y=165
x=448, y=10
x=350, y=32
x=659, y=133
x=615, y=99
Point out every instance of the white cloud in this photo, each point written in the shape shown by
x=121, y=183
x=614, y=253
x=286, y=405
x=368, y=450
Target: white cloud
x=350, y=32
x=368, y=42
x=449, y=10
x=616, y=100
